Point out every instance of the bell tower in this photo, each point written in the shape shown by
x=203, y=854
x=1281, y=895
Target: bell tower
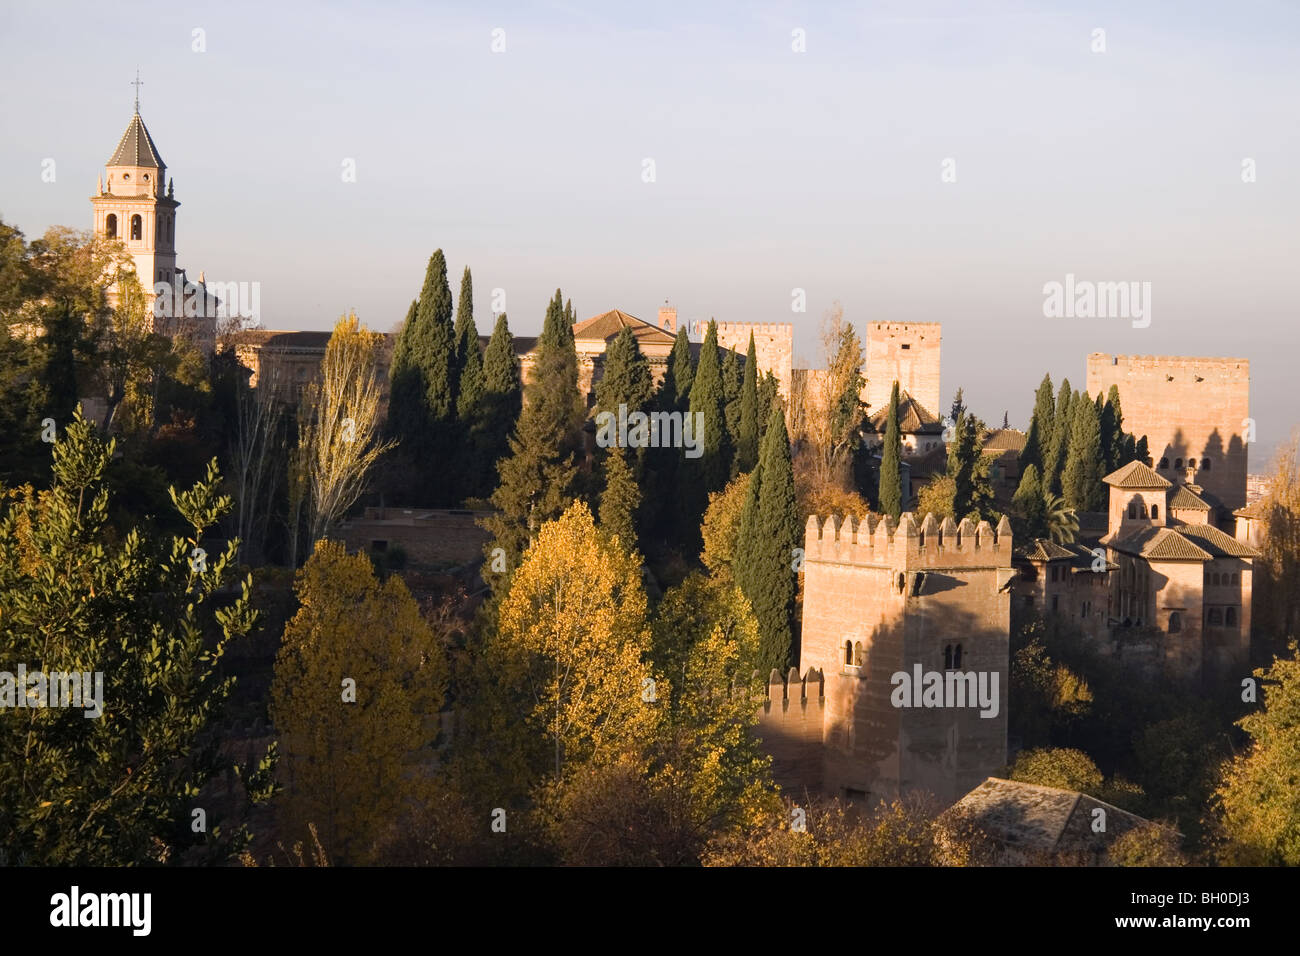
x=132, y=206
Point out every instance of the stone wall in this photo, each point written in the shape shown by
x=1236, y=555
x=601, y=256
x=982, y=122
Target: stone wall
x=429, y=538
x=773, y=346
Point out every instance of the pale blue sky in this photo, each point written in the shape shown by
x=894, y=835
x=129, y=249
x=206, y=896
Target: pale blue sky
x=775, y=169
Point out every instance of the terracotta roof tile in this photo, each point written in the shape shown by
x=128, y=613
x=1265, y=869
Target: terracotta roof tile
x=1136, y=474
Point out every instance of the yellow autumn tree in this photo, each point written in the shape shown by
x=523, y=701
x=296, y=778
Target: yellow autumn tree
x=571, y=641
x=359, y=681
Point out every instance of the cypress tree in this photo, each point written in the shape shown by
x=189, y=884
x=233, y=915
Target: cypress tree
x=770, y=530
x=1029, y=504
x=1042, y=428
x=469, y=359
x=434, y=347
x=537, y=477
x=675, y=390
x=502, y=398
x=732, y=381
x=620, y=500
x=1112, y=431
x=627, y=379
x=891, y=479
x=713, y=467
x=1081, y=483
x=747, y=437
x=1054, y=463
x=769, y=397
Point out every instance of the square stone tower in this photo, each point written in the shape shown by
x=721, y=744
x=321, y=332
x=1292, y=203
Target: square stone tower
x=883, y=598
x=1194, y=411
x=907, y=353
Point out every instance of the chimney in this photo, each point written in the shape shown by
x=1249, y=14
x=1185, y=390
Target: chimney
x=668, y=318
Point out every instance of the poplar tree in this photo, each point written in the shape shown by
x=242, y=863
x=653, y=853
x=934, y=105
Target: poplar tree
x=770, y=530
x=891, y=479
x=747, y=438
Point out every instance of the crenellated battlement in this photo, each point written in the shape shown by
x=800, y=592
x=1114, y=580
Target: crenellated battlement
x=1155, y=364
x=758, y=328
x=903, y=326
x=880, y=541
x=793, y=688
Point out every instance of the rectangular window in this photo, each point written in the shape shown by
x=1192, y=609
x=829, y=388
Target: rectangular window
x=1056, y=602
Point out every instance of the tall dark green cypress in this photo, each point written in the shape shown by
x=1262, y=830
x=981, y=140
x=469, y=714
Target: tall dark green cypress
x=1081, y=482
x=732, y=382
x=627, y=379
x=708, y=397
x=422, y=402
x=675, y=391
x=747, y=440
x=537, y=477
x=1038, y=442
x=891, y=455
x=770, y=530
x=1054, y=463
x=769, y=397
x=502, y=399
x=1112, y=431
x=469, y=359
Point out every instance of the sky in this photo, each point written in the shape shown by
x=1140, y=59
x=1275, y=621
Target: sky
x=923, y=160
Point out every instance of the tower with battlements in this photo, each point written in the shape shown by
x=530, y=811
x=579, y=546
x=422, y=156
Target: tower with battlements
x=883, y=598
x=1195, y=413
x=907, y=353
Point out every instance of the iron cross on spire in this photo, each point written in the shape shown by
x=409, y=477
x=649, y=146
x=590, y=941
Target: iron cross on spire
x=137, y=83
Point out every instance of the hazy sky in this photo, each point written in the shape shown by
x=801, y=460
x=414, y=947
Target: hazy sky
x=774, y=169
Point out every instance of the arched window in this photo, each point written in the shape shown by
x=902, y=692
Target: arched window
x=1215, y=617
x=902, y=582
x=857, y=653
x=110, y=226
x=137, y=227
x=1214, y=579
x=1236, y=579
x=1164, y=463
x=1178, y=463
x=848, y=652
x=1230, y=617
x=956, y=657
x=1175, y=622
x=1155, y=511
x=1205, y=464
x=947, y=658
x=1132, y=510
x=1142, y=509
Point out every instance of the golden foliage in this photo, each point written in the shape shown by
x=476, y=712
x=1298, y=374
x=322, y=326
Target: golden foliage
x=353, y=766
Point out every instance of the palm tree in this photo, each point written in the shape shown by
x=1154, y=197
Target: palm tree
x=1062, y=523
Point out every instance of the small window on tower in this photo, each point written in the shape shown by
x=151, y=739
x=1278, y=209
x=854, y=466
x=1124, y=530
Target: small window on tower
x=1205, y=464
x=906, y=346
x=137, y=227
x=126, y=176
x=110, y=227
x=1155, y=511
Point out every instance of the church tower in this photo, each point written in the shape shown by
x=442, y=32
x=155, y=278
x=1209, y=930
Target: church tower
x=132, y=206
